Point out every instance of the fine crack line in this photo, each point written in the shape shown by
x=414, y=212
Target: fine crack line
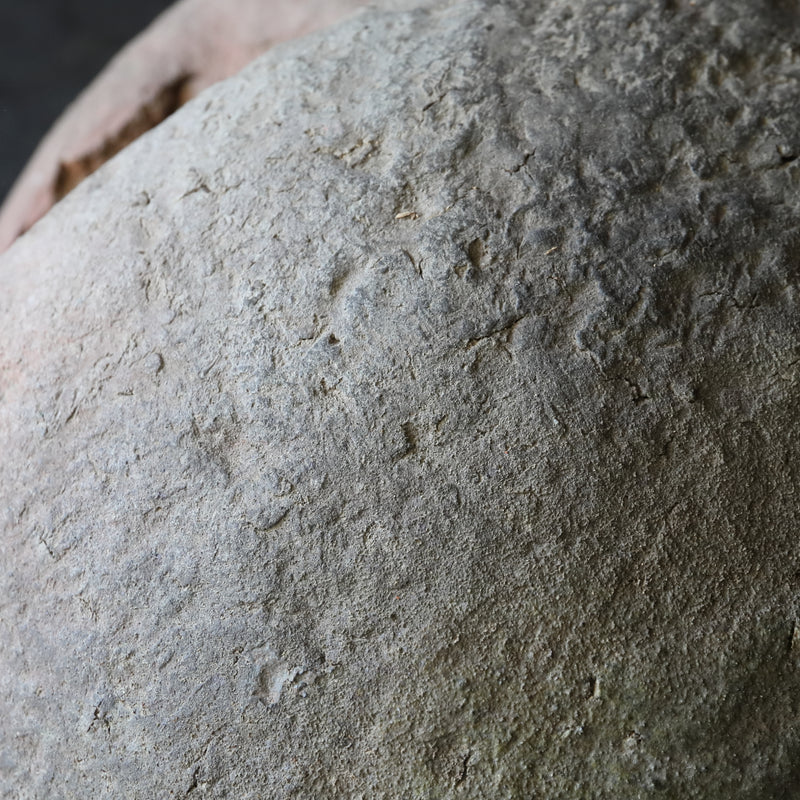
x=464, y=765
x=43, y=541
x=508, y=328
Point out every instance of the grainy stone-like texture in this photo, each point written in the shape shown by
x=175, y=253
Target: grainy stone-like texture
x=416, y=416
x=191, y=46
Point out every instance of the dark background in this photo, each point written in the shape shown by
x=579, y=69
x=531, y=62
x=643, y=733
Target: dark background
x=49, y=51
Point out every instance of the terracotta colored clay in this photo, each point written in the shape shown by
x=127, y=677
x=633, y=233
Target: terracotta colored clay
x=189, y=47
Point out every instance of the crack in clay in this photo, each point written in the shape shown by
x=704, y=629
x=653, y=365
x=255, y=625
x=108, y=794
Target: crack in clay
x=464, y=765
x=49, y=549
x=507, y=328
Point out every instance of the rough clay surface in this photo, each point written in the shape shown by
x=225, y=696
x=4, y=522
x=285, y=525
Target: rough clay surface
x=415, y=416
